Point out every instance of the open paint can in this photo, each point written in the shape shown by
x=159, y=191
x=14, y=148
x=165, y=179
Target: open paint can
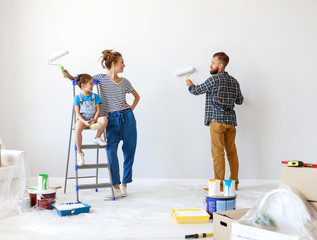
x=220, y=203
x=42, y=199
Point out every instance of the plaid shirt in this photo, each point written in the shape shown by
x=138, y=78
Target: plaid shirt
x=222, y=92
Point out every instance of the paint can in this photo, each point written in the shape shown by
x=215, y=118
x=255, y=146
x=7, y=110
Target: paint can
x=229, y=188
x=42, y=199
x=213, y=187
x=220, y=203
x=42, y=182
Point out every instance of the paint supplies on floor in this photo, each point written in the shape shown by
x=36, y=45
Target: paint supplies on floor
x=281, y=214
x=216, y=200
x=65, y=209
x=190, y=215
x=220, y=203
x=42, y=199
x=199, y=235
x=42, y=196
x=215, y=188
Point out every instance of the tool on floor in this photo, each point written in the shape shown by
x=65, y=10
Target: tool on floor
x=65, y=209
x=187, y=71
x=202, y=235
x=299, y=164
x=96, y=166
x=57, y=56
x=190, y=215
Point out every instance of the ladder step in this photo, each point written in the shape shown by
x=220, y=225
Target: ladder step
x=92, y=186
x=92, y=146
x=101, y=165
x=81, y=177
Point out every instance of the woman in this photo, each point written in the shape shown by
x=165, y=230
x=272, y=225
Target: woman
x=121, y=121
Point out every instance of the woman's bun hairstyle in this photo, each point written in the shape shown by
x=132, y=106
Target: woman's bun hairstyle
x=108, y=57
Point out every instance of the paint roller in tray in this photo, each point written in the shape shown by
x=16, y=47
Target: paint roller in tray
x=185, y=71
x=57, y=56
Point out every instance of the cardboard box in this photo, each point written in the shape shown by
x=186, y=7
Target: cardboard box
x=245, y=232
x=303, y=179
x=222, y=222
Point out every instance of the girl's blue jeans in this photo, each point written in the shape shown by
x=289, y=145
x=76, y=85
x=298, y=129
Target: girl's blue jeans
x=121, y=126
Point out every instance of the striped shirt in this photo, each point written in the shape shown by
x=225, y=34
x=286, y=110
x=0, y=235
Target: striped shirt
x=113, y=95
x=222, y=93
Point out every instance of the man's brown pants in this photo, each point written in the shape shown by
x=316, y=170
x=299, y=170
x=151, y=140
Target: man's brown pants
x=223, y=138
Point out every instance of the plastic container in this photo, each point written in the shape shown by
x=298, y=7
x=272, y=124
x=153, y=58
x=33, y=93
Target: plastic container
x=220, y=203
x=24, y=204
x=190, y=215
x=42, y=199
x=65, y=209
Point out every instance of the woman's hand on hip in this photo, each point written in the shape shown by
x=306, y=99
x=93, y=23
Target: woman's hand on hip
x=128, y=106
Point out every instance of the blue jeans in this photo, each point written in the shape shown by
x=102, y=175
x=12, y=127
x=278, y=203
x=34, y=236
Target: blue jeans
x=121, y=126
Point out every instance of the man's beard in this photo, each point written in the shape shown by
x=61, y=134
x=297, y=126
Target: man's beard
x=214, y=71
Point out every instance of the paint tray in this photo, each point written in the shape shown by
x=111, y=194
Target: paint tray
x=190, y=215
x=65, y=209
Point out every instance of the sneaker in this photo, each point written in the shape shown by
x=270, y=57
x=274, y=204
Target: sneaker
x=100, y=141
x=124, y=191
x=80, y=159
x=117, y=194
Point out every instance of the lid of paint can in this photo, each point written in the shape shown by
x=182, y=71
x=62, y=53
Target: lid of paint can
x=33, y=190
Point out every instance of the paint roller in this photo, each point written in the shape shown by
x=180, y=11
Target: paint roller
x=185, y=71
x=57, y=56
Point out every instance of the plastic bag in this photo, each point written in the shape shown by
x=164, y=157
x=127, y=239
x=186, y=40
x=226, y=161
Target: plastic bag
x=283, y=210
x=14, y=176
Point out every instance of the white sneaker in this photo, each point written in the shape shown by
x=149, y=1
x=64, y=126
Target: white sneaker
x=117, y=194
x=80, y=159
x=100, y=141
x=124, y=191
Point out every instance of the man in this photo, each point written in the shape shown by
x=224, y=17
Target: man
x=222, y=93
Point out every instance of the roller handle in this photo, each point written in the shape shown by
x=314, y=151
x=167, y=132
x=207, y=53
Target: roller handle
x=63, y=69
x=202, y=235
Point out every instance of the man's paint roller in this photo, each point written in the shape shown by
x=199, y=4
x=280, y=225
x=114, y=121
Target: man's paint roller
x=185, y=71
x=57, y=56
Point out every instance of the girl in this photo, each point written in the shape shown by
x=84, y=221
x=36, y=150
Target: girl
x=87, y=108
x=121, y=122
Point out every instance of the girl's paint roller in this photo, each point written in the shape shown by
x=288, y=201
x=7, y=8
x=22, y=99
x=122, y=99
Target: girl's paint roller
x=95, y=126
x=57, y=56
x=187, y=71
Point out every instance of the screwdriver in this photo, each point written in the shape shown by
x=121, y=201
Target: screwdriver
x=299, y=164
x=199, y=235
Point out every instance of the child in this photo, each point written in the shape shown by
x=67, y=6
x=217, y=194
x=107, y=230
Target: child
x=87, y=108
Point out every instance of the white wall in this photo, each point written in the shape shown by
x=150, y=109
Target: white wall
x=272, y=46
